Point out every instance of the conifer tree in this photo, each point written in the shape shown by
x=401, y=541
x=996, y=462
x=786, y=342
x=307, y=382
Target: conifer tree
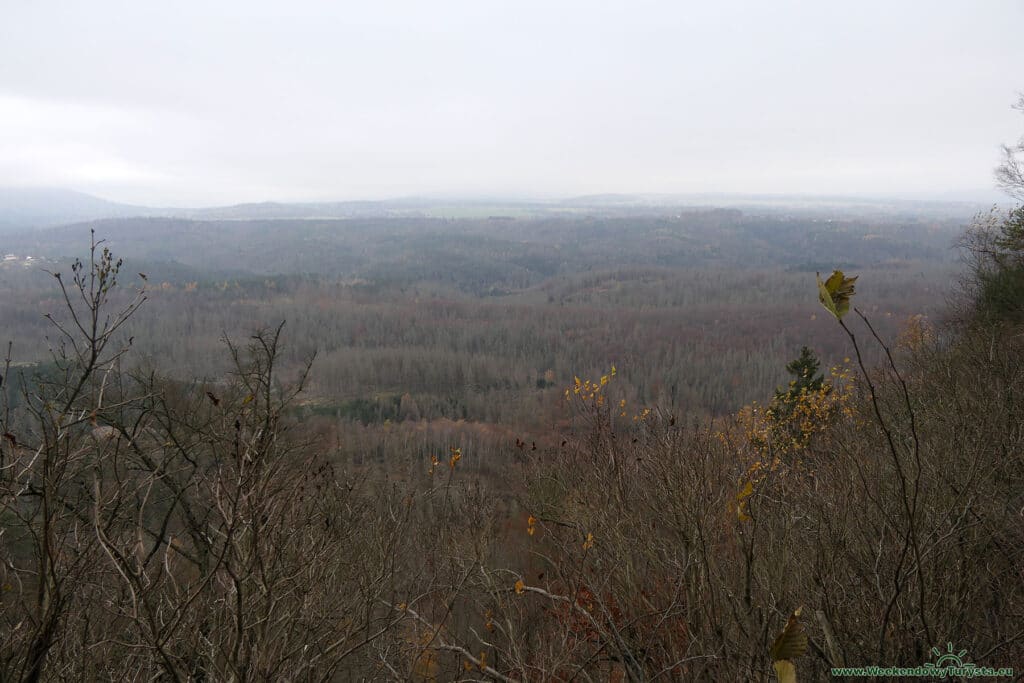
x=806, y=378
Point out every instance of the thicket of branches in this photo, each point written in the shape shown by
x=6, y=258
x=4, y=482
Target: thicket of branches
x=154, y=530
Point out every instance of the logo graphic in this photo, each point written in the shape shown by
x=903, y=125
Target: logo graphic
x=949, y=659
x=948, y=664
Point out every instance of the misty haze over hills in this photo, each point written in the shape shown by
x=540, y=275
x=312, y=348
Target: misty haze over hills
x=32, y=208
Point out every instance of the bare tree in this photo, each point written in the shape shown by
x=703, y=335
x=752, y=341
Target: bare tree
x=48, y=457
x=1010, y=173
x=180, y=531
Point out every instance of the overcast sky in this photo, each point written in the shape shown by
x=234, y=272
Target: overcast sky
x=220, y=101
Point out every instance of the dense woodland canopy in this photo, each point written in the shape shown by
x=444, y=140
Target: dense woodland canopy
x=486, y=320
x=554, y=447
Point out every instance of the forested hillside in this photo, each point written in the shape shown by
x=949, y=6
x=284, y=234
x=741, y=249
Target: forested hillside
x=531, y=479
x=477, y=324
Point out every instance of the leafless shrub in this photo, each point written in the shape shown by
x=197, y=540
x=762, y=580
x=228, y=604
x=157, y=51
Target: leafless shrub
x=179, y=532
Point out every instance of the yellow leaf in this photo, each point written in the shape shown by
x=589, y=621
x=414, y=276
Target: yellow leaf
x=589, y=543
x=741, y=501
x=520, y=587
x=835, y=293
x=785, y=670
x=248, y=399
x=790, y=644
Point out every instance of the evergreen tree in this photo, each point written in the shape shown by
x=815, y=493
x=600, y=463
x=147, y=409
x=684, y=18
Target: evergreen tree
x=996, y=245
x=806, y=378
x=793, y=406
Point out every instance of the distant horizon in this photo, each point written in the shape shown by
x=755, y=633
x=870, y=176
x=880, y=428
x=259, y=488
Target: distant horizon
x=962, y=196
